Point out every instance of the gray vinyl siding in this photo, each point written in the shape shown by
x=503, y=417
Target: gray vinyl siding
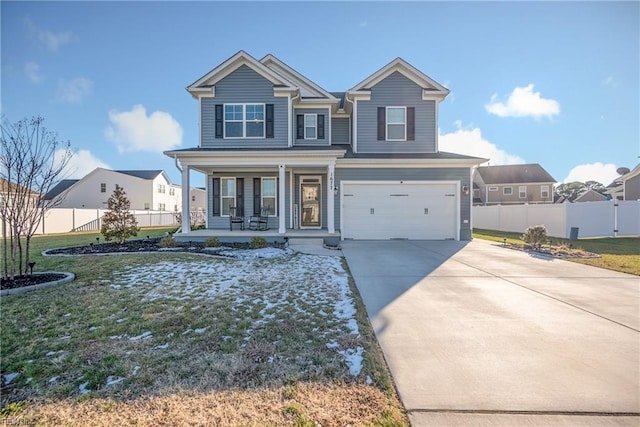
x=243, y=86
x=396, y=91
x=311, y=142
x=340, y=130
x=410, y=174
x=222, y=222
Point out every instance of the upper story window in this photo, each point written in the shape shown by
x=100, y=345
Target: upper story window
x=544, y=191
x=103, y=187
x=396, y=123
x=507, y=191
x=522, y=191
x=310, y=126
x=172, y=191
x=161, y=188
x=244, y=121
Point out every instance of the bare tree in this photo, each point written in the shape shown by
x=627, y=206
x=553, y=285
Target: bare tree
x=32, y=161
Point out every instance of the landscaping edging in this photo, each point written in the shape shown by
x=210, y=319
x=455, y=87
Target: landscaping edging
x=69, y=277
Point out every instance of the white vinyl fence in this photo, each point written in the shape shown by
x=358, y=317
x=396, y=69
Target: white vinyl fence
x=63, y=220
x=593, y=219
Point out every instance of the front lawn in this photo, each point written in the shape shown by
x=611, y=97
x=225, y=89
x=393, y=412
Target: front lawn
x=174, y=339
x=619, y=254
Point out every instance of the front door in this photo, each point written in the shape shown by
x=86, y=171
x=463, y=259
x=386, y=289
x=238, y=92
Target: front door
x=311, y=195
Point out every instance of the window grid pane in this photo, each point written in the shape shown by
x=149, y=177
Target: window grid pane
x=395, y=115
x=395, y=131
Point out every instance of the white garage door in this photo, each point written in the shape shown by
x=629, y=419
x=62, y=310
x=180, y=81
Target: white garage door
x=393, y=210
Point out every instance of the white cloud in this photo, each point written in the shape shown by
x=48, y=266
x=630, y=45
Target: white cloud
x=32, y=70
x=52, y=41
x=75, y=90
x=523, y=102
x=81, y=163
x=600, y=172
x=135, y=131
x=471, y=143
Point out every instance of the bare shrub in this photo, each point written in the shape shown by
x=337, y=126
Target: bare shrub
x=536, y=236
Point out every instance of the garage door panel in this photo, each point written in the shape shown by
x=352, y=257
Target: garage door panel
x=410, y=211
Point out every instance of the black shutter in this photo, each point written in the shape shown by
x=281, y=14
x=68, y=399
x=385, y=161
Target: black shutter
x=216, y=196
x=300, y=126
x=219, y=121
x=240, y=196
x=269, y=120
x=411, y=123
x=257, y=199
x=320, y=126
x=382, y=123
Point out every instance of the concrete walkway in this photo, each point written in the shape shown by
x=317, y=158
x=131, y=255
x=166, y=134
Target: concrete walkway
x=478, y=334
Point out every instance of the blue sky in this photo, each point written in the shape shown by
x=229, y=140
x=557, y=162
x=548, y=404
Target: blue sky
x=555, y=83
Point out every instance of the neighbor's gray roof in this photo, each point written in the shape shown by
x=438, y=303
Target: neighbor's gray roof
x=511, y=174
x=59, y=188
x=144, y=174
x=340, y=96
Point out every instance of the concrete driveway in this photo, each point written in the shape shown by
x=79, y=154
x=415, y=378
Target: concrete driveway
x=478, y=334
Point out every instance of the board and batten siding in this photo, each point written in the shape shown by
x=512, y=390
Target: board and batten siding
x=396, y=91
x=340, y=130
x=243, y=86
x=222, y=222
x=311, y=142
x=412, y=174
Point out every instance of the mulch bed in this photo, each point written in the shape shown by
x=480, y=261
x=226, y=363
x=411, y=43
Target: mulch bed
x=555, y=252
x=29, y=280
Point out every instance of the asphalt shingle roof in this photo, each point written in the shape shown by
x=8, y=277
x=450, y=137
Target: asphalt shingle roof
x=144, y=174
x=510, y=174
x=59, y=188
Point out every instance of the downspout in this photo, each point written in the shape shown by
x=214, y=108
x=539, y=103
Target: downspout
x=354, y=133
x=175, y=159
x=291, y=118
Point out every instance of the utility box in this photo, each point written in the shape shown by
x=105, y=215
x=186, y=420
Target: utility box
x=573, y=235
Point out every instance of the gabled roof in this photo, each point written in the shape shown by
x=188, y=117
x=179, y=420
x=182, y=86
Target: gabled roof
x=634, y=172
x=206, y=82
x=590, y=195
x=143, y=174
x=308, y=89
x=513, y=174
x=59, y=188
x=428, y=85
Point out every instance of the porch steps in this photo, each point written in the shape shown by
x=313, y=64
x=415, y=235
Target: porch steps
x=306, y=241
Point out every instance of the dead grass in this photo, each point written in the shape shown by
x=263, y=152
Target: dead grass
x=310, y=404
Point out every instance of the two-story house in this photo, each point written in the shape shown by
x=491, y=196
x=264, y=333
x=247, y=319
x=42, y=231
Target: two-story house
x=145, y=189
x=512, y=184
x=360, y=164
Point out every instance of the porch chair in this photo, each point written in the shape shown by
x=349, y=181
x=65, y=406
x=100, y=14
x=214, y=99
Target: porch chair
x=235, y=218
x=260, y=222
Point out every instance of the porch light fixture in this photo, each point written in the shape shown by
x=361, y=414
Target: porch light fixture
x=465, y=190
x=335, y=191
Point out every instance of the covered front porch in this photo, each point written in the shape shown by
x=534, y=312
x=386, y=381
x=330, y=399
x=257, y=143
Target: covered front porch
x=296, y=188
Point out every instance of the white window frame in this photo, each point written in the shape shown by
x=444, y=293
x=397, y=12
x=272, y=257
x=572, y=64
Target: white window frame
x=315, y=125
x=504, y=191
x=387, y=123
x=172, y=191
x=244, y=120
x=233, y=198
x=147, y=206
x=522, y=192
x=262, y=196
x=161, y=188
x=544, y=191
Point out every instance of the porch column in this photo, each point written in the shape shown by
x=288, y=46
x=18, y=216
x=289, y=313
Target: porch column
x=186, y=211
x=281, y=198
x=331, y=228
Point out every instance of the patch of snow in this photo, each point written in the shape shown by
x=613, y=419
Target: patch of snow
x=83, y=388
x=369, y=380
x=142, y=336
x=120, y=320
x=200, y=330
x=115, y=286
x=115, y=337
x=170, y=335
x=53, y=380
x=93, y=328
x=261, y=253
x=187, y=331
x=163, y=346
x=135, y=370
x=28, y=380
x=66, y=337
x=169, y=249
x=10, y=377
x=53, y=353
x=353, y=359
x=66, y=315
x=113, y=380
x=332, y=344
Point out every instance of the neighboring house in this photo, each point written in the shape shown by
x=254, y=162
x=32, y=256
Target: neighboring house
x=590, y=195
x=364, y=163
x=10, y=190
x=627, y=186
x=145, y=189
x=513, y=184
x=198, y=198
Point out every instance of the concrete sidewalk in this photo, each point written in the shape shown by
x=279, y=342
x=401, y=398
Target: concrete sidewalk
x=477, y=334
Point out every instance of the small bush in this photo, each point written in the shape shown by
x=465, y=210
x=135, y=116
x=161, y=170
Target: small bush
x=536, y=236
x=258, y=242
x=212, y=242
x=168, y=242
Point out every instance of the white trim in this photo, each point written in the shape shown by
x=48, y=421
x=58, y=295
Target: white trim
x=290, y=198
x=520, y=187
x=331, y=184
x=355, y=126
x=293, y=73
x=314, y=106
x=504, y=189
x=328, y=126
x=235, y=194
x=206, y=201
x=492, y=188
x=281, y=198
x=405, y=163
x=312, y=179
x=186, y=200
